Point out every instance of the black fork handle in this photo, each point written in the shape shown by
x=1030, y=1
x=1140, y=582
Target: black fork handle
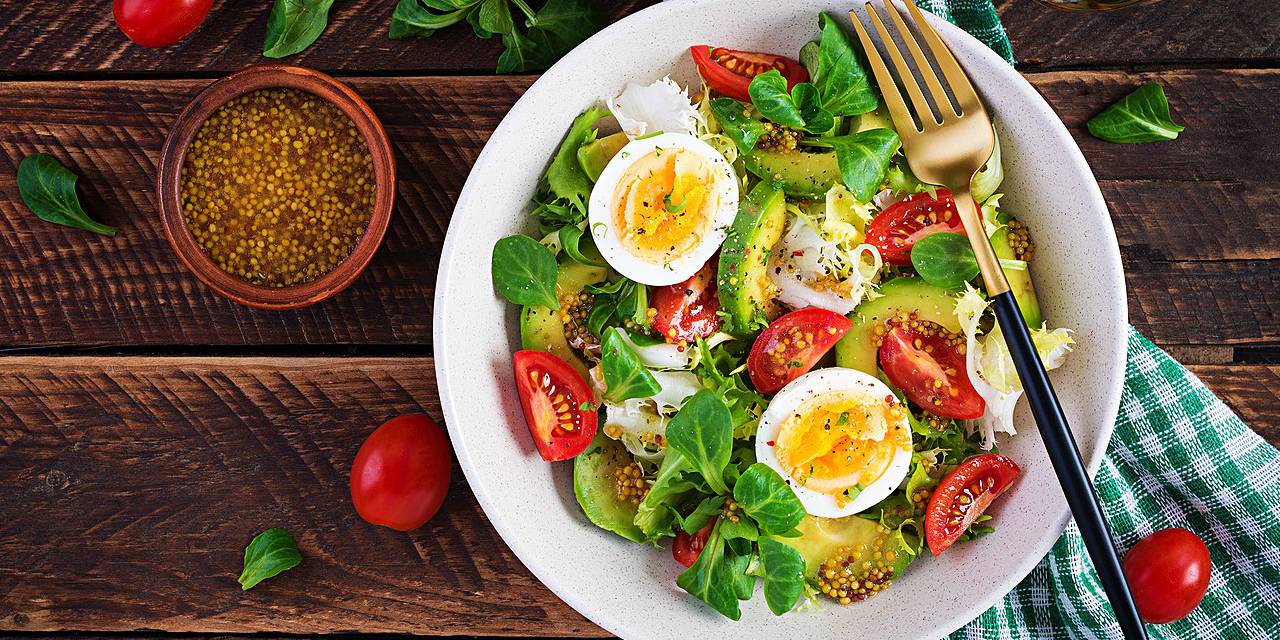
x=1067, y=464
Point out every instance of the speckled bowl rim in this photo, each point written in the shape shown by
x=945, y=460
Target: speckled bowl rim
x=173, y=157
x=458, y=262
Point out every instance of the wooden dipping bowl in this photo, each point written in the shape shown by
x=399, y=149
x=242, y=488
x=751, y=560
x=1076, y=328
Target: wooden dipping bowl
x=172, y=157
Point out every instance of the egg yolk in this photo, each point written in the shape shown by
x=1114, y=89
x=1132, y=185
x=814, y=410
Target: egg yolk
x=836, y=441
x=663, y=204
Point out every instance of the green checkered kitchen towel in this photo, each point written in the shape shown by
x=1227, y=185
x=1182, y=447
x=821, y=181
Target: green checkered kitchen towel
x=1178, y=458
x=978, y=17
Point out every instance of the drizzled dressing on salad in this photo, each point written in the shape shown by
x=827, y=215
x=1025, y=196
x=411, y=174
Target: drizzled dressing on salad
x=755, y=334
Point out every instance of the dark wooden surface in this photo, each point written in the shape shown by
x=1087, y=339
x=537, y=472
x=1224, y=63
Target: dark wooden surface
x=148, y=428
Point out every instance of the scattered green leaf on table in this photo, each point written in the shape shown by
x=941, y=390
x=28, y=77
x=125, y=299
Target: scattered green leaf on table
x=524, y=271
x=270, y=553
x=624, y=375
x=768, y=499
x=295, y=25
x=49, y=190
x=1141, y=116
x=864, y=159
x=783, y=569
x=744, y=130
x=944, y=260
x=842, y=81
x=703, y=432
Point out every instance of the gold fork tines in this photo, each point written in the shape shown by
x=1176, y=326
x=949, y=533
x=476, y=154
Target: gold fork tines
x=944, y=147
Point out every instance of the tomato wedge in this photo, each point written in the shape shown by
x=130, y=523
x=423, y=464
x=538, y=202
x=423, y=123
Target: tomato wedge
x=729, y=72
x=557, y=404
x=924, y=361
x=790, y=346
x=904, y=222
x=687, y=311
x=963, y=495
x=687, y=548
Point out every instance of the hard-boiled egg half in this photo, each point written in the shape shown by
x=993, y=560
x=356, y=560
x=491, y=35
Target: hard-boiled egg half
x=662, y=206
x=839, y=437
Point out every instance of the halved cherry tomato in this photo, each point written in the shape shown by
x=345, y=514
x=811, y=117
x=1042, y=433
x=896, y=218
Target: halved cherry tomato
x=687, y=548
x=924, y=361
x=1168, y=573
x=159, y=23
x=898, y=227
x=401, y=473
x=557, y=404
x=687, y=311
x=790, y=346
x=963, y=495
x=729, y=72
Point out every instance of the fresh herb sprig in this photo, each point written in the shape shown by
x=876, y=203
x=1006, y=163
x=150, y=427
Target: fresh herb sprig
x=545, y=35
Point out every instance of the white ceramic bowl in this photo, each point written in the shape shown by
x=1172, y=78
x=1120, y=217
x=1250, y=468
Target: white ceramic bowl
x=630, y=589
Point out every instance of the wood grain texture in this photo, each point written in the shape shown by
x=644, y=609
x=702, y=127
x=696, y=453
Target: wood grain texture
x=1189, y=281
x=44, y=38
x=1170, y=32
x=133, y=484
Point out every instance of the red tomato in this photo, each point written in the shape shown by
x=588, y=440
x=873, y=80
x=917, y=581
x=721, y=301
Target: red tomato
x=898, y=227
x=159, y=23
x=401, y=473
x=1168, y=573
x=963, y=495
x=790, y=346
x=687, y=548
x=687, y=311
x=557, y=404
x=730, y=72
x=925, y=363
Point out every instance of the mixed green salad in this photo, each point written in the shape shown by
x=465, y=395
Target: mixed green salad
x=761, y=340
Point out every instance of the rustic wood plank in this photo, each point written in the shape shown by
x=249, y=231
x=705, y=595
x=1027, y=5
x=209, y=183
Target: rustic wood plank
x=133, y=485
x=1170, y=32
x=65, y=287
x=47, y=38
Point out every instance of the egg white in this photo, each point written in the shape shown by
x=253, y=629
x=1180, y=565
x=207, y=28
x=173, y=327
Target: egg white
x=810, y=385
x=608, y=241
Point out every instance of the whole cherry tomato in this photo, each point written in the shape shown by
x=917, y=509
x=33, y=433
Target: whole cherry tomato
x=1168, y=573
x=159, y=23
x=401, y=473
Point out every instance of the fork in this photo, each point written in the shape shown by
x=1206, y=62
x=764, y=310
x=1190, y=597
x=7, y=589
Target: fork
x=947, y=149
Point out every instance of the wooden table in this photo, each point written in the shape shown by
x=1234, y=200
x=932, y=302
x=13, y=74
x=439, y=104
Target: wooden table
x=148, y=428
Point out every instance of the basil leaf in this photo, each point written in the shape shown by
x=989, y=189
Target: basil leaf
x=816, y=119
x=702, y=514
x=561, y=25
x=712, y=578
x=769, y=94
x=944, y=260
x=624, y=376
x=524, y=272
x=294, y=25
x=494, y=16
x=703, y=432
x=738, y=126
x=783, y=569
x=1141, y=116
x=841, y=79
x=657, y=510
x=768, y=499
x=412, y=20
x=49, y=191
x=864, y=159
x=565, y=177
x=270, y=553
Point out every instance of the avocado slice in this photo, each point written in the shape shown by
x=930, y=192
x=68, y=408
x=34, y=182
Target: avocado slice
x=800, y=173
x=857, y=349
x=543, y=329
x=823, y=539
x=595, y=486
x=594, y=155
x=1019, y=281
x=878, y=119
x=743, y=279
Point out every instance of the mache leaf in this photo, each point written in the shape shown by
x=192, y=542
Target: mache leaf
x=657, y=511
x=768, y=499
x=524, y=271
x=783, y=569
x=842, y=81
x=712, y=578
x=744, y=130
x=864, y=159
x=268, y=554
x=703, y=432
x=625, y=377
x=1141, y=116
x=49, y=191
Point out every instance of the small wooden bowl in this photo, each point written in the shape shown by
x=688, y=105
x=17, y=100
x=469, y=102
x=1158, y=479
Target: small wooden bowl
x=168, y=185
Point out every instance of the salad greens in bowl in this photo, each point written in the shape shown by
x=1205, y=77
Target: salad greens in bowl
x=731, y=361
